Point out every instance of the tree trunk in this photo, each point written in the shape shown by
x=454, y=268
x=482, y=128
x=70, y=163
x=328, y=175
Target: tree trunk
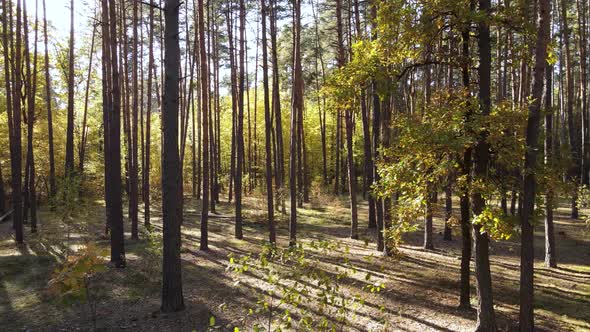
x=14, y=120
x=204, y=245
x=573, y=141
x=84, y=134
x=172, y=299
x=526, y=317
x=486, y=320
x=550, y=249
x=115, y=213
x=268, y=128
x=447, y=234
x=240, y=121
x=69, y=167
x=52, y=186
x=148, y=123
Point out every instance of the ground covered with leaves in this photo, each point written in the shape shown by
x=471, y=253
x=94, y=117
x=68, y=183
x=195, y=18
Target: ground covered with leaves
x=328, y=282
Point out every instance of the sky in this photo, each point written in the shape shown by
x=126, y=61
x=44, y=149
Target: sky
x=58, y=14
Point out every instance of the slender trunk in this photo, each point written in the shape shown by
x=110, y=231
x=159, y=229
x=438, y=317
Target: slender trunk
x=573, y=141
x=296, y=109
x=550, y=249
x=134, y=169
x=204, y=245
x=486, y=320
x=148, y=123
x=268, y=128
x=240, y=121
x=52, y=185
x=84, y=135
x=172, y=298
x=116, y=204
x=15, y=123
x=532, y=142
x=447, y=234
x=69, y=167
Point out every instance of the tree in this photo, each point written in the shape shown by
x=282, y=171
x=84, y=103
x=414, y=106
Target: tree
x=573, y=140
x=465, y=287
x=348, y=114
x=134, y=169
x=240, y=121
x=297, y=107
x=268, y=128
x=148, y=123
x=52, y=186
x=526, y=317
x=84, y=136
x=486, y=320
x=30, y=88
x=70, y=124
x=172, y=299
x=14, y=117
x=205, y=126
x=113, y=126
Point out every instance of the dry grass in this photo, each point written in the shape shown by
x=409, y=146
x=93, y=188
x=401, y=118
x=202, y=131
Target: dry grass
x=421, y=288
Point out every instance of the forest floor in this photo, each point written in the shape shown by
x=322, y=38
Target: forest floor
x=417, y=291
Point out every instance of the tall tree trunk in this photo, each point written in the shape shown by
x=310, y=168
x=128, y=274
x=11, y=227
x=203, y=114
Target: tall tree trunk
x=550, y=249
x=348, y=114
x=148, y=122
x=486, y=320
x=240, y=121
x=14, y=121
x=115, y=213
x=526, y=317
x=31, y=87
x=69, y=167
x=583, y=42
x=84, y=134
x=573, y=141
x=376, y=109
x=296, y=109
x=268, y=128
x=276, y=104
x=204, y=245
x=52, y=185
x=134, y=169
x=172, y=298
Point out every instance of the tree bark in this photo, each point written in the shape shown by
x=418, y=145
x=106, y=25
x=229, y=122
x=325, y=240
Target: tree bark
x=526, y=317
x=172, y=298
x=115, y=213
x=268, y=127
x=204, y=245
x=52, y=185
x=69, y=167
x=486, y=320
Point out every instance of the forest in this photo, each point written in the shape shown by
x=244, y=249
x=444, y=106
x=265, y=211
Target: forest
x=273, y=165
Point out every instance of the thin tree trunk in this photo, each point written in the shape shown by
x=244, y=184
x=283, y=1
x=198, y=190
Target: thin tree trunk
x=204, y=127
x=134, y=169
x=172, y=298
x=240, y=121
x=84, y=135
x=526, y=317
x=268, y=128
x=69, y=167
x=573, y=141
x=52, y=185
x=115, y=213
x=486, y=320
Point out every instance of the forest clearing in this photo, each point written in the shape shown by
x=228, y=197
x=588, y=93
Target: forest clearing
x=273, y=165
